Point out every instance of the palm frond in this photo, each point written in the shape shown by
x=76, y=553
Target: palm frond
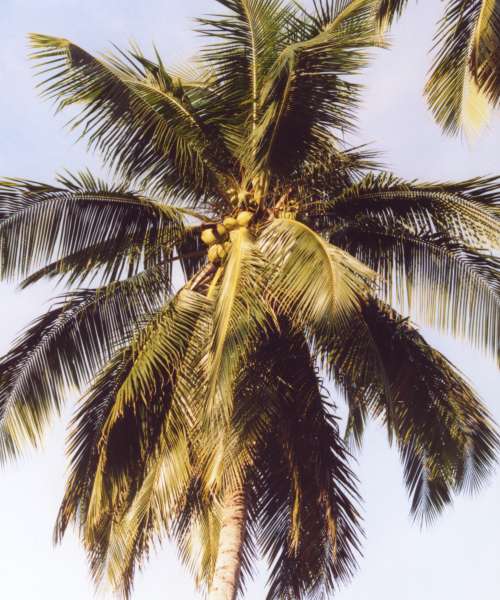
x=240, y=316
x=313, y=283
x=168, y=460
x=142, y=122
x=485, y=51
x=249, y=36
x=65, y=348
x=435, y=278
x=309, y=90
x=389, y=10
x=83, y=227
x=429, y=263
x=456, y=95
x=308, y=525
x=445, y=436
x=467, y=211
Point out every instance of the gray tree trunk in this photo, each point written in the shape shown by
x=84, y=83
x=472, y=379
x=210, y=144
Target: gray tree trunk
x=228, y=564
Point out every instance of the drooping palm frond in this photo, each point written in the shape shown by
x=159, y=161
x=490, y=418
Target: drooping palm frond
x=434, y=265
x=143, y=123
x=313, y=282
x=464, y=83
x=455, y=96
x=308, y=524
x=485, y=50
x=446, y=438
x=113, y=488
x=81, y=227
x=241, y=315
x=307, y=92
x=65, y=348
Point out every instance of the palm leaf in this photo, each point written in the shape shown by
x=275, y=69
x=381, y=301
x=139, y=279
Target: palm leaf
x=308, y=524
x=314, y=283
x=455, y=95
x=66, y=348
x=445, y=436
x=307, y=92
x=240, y=315
x=249, y=37
x=143, y=124
x=82, y=227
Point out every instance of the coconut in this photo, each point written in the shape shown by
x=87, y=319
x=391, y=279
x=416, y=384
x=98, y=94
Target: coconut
x=221, y=230
x=213, y=253
x=220, y=251
x=227, y=246
x=244, y=218
x=230, y=223
x=208, y=237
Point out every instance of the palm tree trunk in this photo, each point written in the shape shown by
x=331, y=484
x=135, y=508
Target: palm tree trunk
x=232, y=534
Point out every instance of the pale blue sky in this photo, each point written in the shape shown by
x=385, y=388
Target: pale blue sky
x=458, y=558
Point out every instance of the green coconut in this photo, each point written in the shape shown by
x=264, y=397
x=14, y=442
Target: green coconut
x=208, y=237
x=244, y=218
x=230, y=223
x=213, y=252
x=221, y=230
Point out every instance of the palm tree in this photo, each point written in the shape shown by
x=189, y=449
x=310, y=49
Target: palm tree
x=243, y=254
x=464, y=83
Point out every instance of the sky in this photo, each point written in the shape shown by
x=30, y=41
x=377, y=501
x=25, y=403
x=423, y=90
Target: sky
x=458, y=557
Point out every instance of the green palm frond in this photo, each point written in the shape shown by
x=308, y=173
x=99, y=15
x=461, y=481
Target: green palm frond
x=144, y=124
x=127, y=487
x=308, y=525
x=249, y=37
x=445, y=436
x=83, y=227
x=389, y=10
x=467, y=210
x=453, y=92
x=485, y=50
x=313, y=282
x=464, y=83
x=434, y=277
x=307, y=92
x=65, y=349
x=240, y=315
x=431, y=263
x=169, y=464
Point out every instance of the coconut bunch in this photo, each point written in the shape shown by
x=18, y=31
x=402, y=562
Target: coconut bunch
x=218, y=236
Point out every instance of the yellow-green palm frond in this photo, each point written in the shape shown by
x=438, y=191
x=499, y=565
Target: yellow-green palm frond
x=248, y=38
x=143, y=123
x=132, y=489
x=446, y=438
x=432, y=244
x=82, y=227
x=241, y=314
x=308, y=91
x=65, y=348
x=313, y=282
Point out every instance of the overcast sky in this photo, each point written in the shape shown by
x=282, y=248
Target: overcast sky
x=458, y=557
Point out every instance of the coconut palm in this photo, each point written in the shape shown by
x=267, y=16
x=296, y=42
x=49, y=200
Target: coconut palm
x=243, y=255
x=464, y=83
